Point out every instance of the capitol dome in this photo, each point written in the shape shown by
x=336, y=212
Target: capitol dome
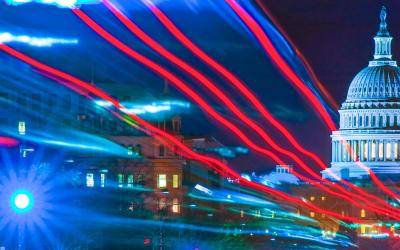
x=369, y=130
x=380, y=81
x=375, y=83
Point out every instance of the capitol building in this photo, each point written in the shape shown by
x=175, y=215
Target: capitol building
x=369, y=133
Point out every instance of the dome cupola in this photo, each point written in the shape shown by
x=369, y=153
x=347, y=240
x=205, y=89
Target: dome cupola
x=380, y=81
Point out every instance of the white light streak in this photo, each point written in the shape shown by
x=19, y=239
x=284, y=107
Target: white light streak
x=35, y=41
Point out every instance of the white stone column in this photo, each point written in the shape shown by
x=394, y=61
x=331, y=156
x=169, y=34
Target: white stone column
x=340, y=152
x=384, y=150
x=392, y=150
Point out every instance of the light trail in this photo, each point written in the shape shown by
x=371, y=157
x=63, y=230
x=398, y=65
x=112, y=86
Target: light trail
x=59, y=3
x=298, y=53
x=251, y=97
x=8, y=142
x=189, y=92
x=258, y=32
x=280, y=62
x=6, y=37
x=212, y=162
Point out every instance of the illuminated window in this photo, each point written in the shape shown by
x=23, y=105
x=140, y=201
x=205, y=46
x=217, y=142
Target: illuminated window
x=162, y=181
x=380, y=151
x=322, y=198
x=102, y=180
x=21, y=128
x=396, y=150
x=175, y=181
x=362, y=213
x=312, y=198
x=175, y=205
x=241, y=213
x=373, y=150
x=258, y=213
x=130, y=180
x=312, y=214
x=130, y=150
x=120, y=180
x=89, y=180
x=388, y=150
x=362, y=229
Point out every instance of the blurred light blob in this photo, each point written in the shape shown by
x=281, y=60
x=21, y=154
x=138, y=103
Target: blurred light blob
x=59, y=3
x=6, y=37
x=153, y=108
x=8, y=142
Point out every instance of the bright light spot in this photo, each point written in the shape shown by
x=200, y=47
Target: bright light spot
x=35, y=41
x=21, y=201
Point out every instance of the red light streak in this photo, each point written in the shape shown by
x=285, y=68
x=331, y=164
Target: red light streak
x=307, y=65
x=8, y=142
x=213, y=89
x=212, y=162
x=291, y=75
x=280, y=62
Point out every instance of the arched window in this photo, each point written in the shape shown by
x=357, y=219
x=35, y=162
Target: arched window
x=360, y=121
x=395, y=121
x=366, y=121
x=354, y=121
x=373, y=121
x=380, y=121
x=387, y=121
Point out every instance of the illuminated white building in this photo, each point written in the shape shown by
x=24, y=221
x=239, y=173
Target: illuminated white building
x=370, y=116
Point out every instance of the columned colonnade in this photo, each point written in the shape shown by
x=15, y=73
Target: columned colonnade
x=365, y=150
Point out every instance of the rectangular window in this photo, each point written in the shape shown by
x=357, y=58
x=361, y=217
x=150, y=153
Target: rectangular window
x=161, y=151
x=388, y=150
x=175, y=181
x=89, y=180
x=312, y=198
x=396, y=150
x=380, y=151
x=312, y=214
x=21, y=128
x=162, y=181
x=175, y=205
x=362, y=213
x=362, y=229
x=102, y=180
x=120, y=180
x=130, y=180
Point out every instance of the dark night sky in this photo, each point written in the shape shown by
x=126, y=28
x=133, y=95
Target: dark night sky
x=335, y=36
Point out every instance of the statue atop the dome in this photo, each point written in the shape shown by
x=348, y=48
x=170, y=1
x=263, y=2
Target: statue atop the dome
x=383, y=26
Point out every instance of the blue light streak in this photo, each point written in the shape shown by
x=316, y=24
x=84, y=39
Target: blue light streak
x=59, y=3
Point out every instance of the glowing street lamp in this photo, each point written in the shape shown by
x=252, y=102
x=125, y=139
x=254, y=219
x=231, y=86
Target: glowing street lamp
x=21, y=201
